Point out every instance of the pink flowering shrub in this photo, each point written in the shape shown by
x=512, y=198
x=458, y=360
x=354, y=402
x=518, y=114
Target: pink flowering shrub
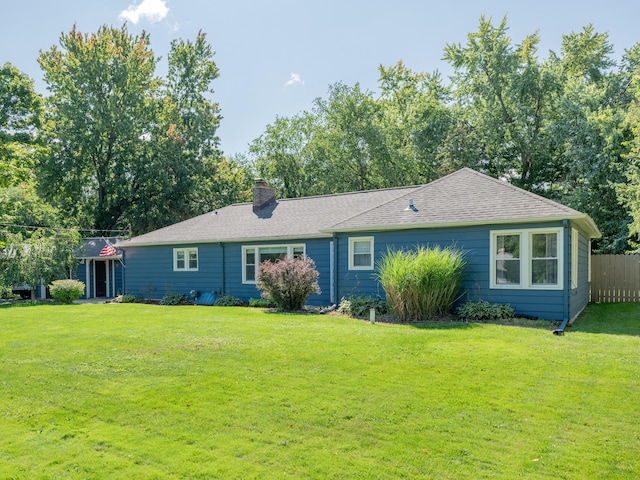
x=288, y=282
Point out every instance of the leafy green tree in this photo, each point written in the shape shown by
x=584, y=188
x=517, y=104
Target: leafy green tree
x=20, y=117
x=129, y=148
x=99, y=109
x=41, y=258
x=350, y=141
x=628, y=190
x=508, y=96
x=170, y=184
x=590, y=135
x=284, y=157
x=416, y=120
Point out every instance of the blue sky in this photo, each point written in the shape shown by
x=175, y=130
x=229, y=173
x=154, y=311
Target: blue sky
x=276, y=57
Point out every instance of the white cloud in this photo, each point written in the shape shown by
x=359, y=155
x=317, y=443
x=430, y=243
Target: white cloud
x=152, y=10
x=294, y=79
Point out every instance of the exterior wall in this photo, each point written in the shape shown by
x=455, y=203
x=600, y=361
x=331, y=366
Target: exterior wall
x=149, y=271
x=316, y=249
x=475, y=243
x=579, y=297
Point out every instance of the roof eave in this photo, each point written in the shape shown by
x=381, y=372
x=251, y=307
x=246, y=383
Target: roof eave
x=588, y=224
x=228, y=240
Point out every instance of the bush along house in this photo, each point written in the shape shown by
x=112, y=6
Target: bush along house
x=519, y=248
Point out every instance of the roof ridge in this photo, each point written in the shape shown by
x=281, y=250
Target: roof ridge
x=355, y=192
x=325, y=195
x=416, y=188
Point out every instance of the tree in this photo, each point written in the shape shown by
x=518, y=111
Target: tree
x=40, y=259
x=349, y=142
x=590, y=135
x=628, y=190
x=182, y=144
x=416, y=120
x=99, y=109
x=508, y=96
x=127, y=147
x=20, y=116
x=284, y=157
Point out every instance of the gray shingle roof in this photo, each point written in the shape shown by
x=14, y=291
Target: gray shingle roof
x=461, y=198
x=93, y=246
x=464, y=197
x=306, y=217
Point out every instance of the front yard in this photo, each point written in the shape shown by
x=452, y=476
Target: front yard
x=142, y=391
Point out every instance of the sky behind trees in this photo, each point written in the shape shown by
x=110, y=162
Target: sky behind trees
x=276, y=57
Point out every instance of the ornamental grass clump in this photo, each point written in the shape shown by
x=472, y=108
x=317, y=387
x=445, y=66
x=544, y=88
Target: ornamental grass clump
x=288, y=282
x=421, y=284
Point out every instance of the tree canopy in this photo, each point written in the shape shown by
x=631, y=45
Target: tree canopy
x=564, y=126
x=127, y=147
x=116, y=145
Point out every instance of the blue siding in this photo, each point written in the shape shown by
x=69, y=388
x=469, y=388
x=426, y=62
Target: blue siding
x=80, y=274
x=316, y=249
x=579, y=297
x=149, y=271
x=475, y=243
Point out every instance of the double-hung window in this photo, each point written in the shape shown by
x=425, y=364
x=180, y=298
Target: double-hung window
x=185, y=259
x=528, y=258
x=361, y=253
x=253, y=256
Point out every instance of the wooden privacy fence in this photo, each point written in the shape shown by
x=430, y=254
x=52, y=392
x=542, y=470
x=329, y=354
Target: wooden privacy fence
x=615, y=278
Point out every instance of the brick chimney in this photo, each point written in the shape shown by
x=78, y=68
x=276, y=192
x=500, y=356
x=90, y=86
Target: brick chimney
x=263, y=195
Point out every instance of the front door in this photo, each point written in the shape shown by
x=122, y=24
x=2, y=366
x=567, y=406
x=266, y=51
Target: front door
x=101, y=278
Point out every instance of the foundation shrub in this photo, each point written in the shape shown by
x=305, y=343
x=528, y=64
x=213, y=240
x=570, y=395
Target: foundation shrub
x=66, y=291
x=288, y=282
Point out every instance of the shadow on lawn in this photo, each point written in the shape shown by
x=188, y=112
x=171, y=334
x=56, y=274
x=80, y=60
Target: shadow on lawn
x=609, y=318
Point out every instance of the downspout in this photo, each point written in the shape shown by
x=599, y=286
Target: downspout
x=124, y=290
x=224, y=273
x=566, y=238
x=334, y=267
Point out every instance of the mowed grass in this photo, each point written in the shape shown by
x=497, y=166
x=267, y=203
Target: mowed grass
x=140, y=391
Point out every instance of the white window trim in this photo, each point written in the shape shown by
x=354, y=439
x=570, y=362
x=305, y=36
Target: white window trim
x=186, y=252
x=256, y=249
x=526, y=248
x=352, y=241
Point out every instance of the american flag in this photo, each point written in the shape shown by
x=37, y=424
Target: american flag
x=107, y=251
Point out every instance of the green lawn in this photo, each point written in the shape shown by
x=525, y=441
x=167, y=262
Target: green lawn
x=142, y=391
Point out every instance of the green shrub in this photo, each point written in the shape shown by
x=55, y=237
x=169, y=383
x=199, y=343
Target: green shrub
x=66, y=291
x=420, y=284
x=360, y=306
x=261, y=303
x=173, y=298
x=228, y=301
x=288, y=282
x=130, y=298
x=483, y=310
x=6, y=293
